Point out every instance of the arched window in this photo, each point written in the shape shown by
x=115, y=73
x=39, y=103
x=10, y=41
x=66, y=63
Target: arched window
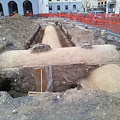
x=1, y=10
x=12, y=6
x=27, y=7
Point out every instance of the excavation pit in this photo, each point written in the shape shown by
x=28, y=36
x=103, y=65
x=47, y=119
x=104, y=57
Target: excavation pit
x=23, y=80
x=69, y=63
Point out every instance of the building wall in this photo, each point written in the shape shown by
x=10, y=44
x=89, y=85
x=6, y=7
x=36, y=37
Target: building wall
x=117, y=7
x=93, y=4
x=62, y=4
x=113, y=6
x=58, y=1
x=102, y=3
x=43, y=6
x=37, y=5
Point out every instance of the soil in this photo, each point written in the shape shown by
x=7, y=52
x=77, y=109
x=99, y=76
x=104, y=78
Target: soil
x=63, y=38
x=16, y=34
x=70, y=105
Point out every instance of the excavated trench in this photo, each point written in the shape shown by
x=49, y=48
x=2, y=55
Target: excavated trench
x=19, y=81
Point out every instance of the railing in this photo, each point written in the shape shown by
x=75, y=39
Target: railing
x=109, y=22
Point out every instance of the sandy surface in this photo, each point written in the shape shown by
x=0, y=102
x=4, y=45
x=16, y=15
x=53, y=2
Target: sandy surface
x=106, y=78
x=101, y=54
x=50, y=37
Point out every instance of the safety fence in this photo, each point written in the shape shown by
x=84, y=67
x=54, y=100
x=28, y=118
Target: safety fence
x=109, y=22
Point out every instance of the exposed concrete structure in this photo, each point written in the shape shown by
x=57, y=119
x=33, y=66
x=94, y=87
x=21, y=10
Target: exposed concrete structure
x=57, y=56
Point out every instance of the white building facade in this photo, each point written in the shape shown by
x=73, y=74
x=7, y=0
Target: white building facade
x=113, y=6
x=64, y=6
x=9, y=7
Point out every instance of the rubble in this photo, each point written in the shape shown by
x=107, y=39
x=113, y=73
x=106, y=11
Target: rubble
x=70, y=105
x=40, y=48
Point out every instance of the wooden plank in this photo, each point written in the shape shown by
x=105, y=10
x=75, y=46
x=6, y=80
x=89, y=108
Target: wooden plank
x=37, y=77
x=31, y=93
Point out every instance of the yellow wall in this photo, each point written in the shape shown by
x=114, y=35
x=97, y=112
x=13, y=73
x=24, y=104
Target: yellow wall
x=100, y=1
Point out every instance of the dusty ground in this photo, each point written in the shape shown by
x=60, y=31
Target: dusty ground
x=103, y=54
x=106, y=78
x=69, y=105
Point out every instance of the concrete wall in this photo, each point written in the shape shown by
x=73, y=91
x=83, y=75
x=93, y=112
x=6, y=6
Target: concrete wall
x=43, y=6
x=117, y=8
x=37, y=5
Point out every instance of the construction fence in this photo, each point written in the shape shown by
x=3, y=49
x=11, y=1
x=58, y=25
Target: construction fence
x=109, y=22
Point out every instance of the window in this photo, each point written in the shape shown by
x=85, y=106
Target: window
x=105, y=3
x=66, y=7
x=50, y=7
x=101, y=4
x=58, y=7
x=74, y=6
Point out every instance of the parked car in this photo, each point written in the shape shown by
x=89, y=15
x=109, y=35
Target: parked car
x=97, y=12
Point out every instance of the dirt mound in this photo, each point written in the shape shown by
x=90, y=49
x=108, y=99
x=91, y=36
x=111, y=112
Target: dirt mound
x=16, y=31
x=106, y=78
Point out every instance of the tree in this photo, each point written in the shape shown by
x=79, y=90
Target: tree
x=86, y=6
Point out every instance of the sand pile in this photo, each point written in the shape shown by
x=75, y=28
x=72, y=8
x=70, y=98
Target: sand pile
x=106, y=78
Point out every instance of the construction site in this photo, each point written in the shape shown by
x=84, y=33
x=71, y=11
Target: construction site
x=54, y=68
